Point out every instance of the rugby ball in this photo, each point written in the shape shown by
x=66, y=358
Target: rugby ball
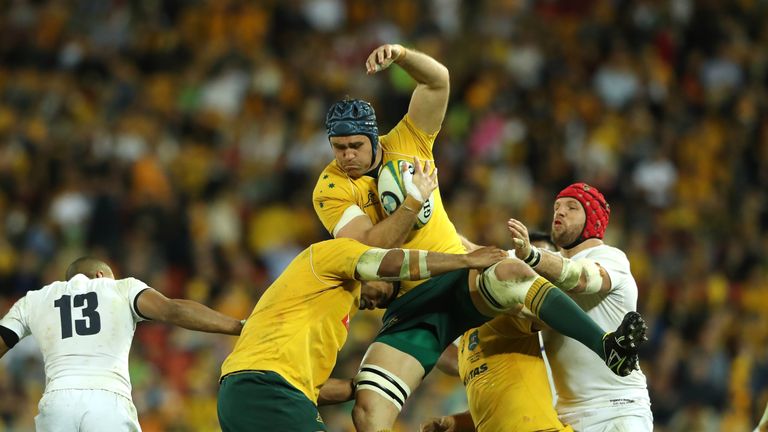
x=392, y=191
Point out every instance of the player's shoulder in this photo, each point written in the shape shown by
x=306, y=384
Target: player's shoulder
x=606, y=254
x=606, y=250
x=52, y=288
x=128, y=285
x=405, y=128
x=332, y=171
x=334, y=244
x=130, y=281
x=331, y=181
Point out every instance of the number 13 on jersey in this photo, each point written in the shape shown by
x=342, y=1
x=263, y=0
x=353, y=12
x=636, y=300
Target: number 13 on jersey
x=91, y=322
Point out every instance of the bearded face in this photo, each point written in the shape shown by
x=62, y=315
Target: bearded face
x=568, y=221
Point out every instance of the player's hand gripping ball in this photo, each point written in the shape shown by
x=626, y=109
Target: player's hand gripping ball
x=393, y=181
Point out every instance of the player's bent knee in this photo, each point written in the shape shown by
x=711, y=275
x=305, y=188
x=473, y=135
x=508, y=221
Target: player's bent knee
x=505, y=284
x=511, y=270
x=371, y=413
x=382, y=382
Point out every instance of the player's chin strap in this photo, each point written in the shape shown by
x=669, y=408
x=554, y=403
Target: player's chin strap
x=381, y=381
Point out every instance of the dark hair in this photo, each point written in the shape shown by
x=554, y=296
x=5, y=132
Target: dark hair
x=541, y=236
x=88, y=266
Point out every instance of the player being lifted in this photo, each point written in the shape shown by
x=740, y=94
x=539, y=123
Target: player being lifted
x=421, y=323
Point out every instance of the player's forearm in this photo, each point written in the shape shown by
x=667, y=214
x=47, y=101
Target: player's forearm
x=407, y=264
x=414, y=264
x=336, y=391
x=550, y=266
x=439, y=263
x=394, y=230
x=581, y=276
x=195, y=316
x=424, y=69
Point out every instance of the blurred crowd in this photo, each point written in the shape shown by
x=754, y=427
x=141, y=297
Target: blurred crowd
x=180, y=140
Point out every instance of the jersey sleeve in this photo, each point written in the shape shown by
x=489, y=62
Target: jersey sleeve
x=407, y=139
x=336, y=260
x=16, y=320
x=130, y=289
x=614, y=262
x=331, y=198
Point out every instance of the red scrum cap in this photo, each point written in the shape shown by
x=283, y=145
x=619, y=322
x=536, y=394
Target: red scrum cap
x=596, y=208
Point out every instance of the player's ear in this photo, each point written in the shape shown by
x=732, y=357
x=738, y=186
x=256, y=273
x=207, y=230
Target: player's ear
x=99, y=274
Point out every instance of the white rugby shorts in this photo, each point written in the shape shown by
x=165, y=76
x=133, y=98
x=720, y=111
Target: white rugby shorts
x=86, y=411
x=634, y=416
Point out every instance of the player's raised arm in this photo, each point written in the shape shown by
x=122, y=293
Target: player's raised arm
x=413, y=264
x=185, y=313
x=430, y=98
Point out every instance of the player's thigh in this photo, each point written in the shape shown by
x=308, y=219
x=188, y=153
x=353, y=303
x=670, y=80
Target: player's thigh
x=87, y=411
x=398, y=363
x=59, y=410
x=628, y=423
x=631, y=420
x=386, y=378
x=108, y=411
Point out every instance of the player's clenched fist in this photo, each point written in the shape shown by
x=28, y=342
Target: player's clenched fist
x=382, y=57
x=439, y=424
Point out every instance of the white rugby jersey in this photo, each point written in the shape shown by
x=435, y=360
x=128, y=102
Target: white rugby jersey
x=582, y=379
x=84, y=328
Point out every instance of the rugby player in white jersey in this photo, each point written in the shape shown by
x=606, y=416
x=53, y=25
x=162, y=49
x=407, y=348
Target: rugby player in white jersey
x=85, y=327
x=598, y=278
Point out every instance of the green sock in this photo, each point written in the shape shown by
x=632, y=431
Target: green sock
x=561, y=313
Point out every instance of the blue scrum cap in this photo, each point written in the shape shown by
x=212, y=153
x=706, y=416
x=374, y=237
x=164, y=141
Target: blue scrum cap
x=353, y=117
